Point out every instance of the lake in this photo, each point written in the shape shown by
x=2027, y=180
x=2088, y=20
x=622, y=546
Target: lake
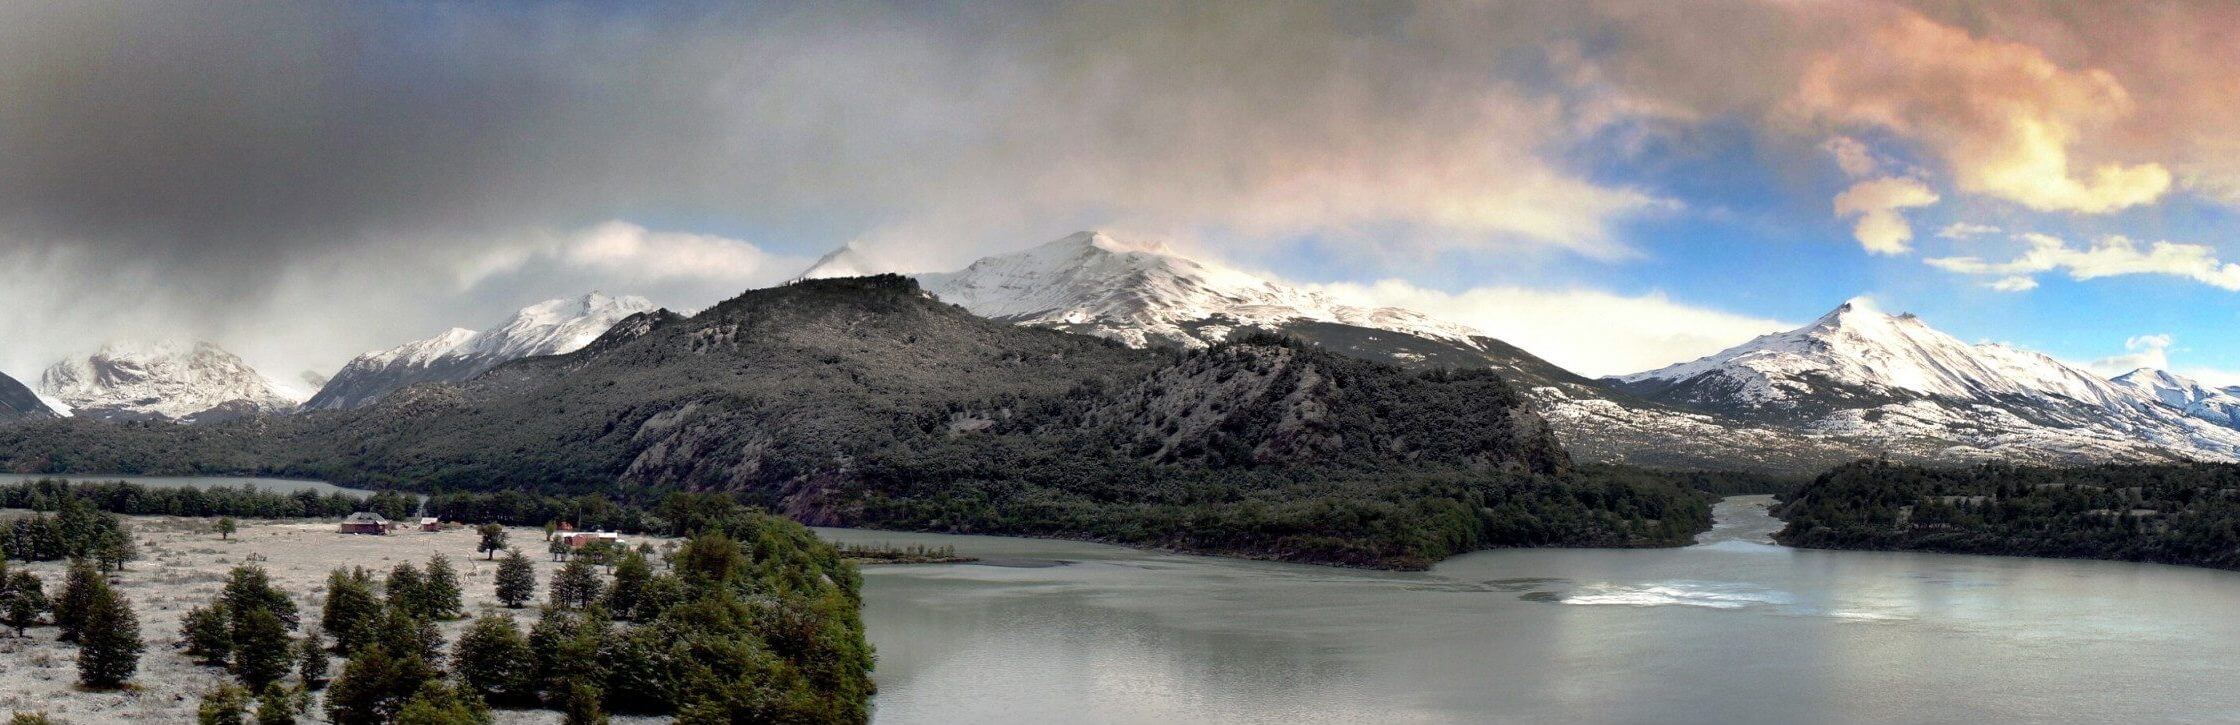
x=276, y=485
x=1733, y=629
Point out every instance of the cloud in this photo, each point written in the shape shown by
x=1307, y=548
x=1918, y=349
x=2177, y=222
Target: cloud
x=2017, y=283
x=2005, y=117
x=1854, y=158
x=2112, y=256
x=625, y=251
x=1876, y=202
x=1965, y=230
x=1589, y=332
x=2142, y=351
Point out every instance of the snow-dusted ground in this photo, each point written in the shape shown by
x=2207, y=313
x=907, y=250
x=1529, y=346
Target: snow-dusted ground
x=183, y=565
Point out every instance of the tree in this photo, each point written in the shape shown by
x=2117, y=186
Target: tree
x=352, y=611
x=78, y=589
x=409, y=633
x=250, y=589
x=311, y=660
x=438, y=703
x=109, y=646
x=226, y=527
x=374, y=685
x=576, y=586
x=493, y=660
x=262, y=650
x=22, y=600
x=227, y=705
x=279, y=704
x=207, y=631
x=558, y=549
x=439, y=594
x=630, y=579
x=550, y=528
x=406, y=588
x=580, y=703
x=114, y=548
x=517, y=579
x=493, y=540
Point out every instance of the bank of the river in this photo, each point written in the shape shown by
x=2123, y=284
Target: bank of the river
x=1732, y=629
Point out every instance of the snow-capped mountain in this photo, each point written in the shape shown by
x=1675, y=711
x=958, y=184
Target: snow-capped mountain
x=2216, y=405
x=1142, y=295
x=551, y=327
x=163, y=381
x=1893, y=382
x=17, y=402
x=847, y=261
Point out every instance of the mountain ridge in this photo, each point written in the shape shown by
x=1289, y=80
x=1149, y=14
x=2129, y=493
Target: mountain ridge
x=546, y=328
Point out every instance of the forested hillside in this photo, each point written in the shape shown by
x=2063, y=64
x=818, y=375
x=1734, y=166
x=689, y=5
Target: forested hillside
x=866, y=402
x=2174, y=514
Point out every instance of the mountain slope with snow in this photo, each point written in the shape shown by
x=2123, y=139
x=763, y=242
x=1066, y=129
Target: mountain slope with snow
x=1146, y=295
x=551, y=327
x=163, y=381
x=1891, y=381
x=2216, y=405
x=17, y=402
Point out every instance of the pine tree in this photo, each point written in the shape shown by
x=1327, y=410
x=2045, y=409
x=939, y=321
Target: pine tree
x=227, y=705
x=438, y=703
x=250, y=589
x=439, y=593
x=580, y=703
x=311, y=660
x=628, y=592
x=207, y=631
x=517, y=579
x=558, y=549
x=406, y=588
x=493, y=540
x=408, y=633
x=279, y=704
x=78, y=590
x=352, y=611
x=576, y=586
x=493, y=659
x=109, y=645
x=22, y=600
x=262, y=650
x=374, y=685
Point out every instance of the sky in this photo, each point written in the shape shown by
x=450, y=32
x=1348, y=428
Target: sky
x=1613, y=185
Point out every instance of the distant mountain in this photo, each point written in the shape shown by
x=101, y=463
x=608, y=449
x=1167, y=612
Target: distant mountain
x=19, y=403
x=197, y=382
x=1146, y=295
x=1893, y=382
x=551, y=327
x=2216, y=405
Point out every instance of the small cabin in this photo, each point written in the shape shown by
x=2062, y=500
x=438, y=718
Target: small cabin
x=580, y=539
x=365, y=522
x=430, y=523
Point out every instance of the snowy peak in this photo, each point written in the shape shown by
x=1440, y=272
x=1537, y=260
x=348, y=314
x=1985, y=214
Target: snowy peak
x=169, y=381
x=847, y=261
x=551, y=327
x=2216, y=405
x=1146, y=294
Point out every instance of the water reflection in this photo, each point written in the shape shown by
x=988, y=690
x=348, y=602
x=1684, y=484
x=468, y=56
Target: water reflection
x=1730, y=630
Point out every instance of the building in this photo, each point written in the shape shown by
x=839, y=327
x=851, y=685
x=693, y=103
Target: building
x=365, y=522
x=429, y=523
x=580, y=539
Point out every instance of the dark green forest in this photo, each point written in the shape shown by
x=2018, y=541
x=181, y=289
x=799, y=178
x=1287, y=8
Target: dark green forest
x=2167, y=513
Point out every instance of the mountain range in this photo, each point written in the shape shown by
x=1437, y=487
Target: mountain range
x=551, y=327
x=1855, y=383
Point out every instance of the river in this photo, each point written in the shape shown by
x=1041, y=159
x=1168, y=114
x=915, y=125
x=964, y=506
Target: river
x=1733, y=629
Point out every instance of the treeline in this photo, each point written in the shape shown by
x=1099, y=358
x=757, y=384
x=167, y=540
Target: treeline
x=76, y=531
x=1721, y=483
x=247, y=501
x=586, y=512
x=2168, y=513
